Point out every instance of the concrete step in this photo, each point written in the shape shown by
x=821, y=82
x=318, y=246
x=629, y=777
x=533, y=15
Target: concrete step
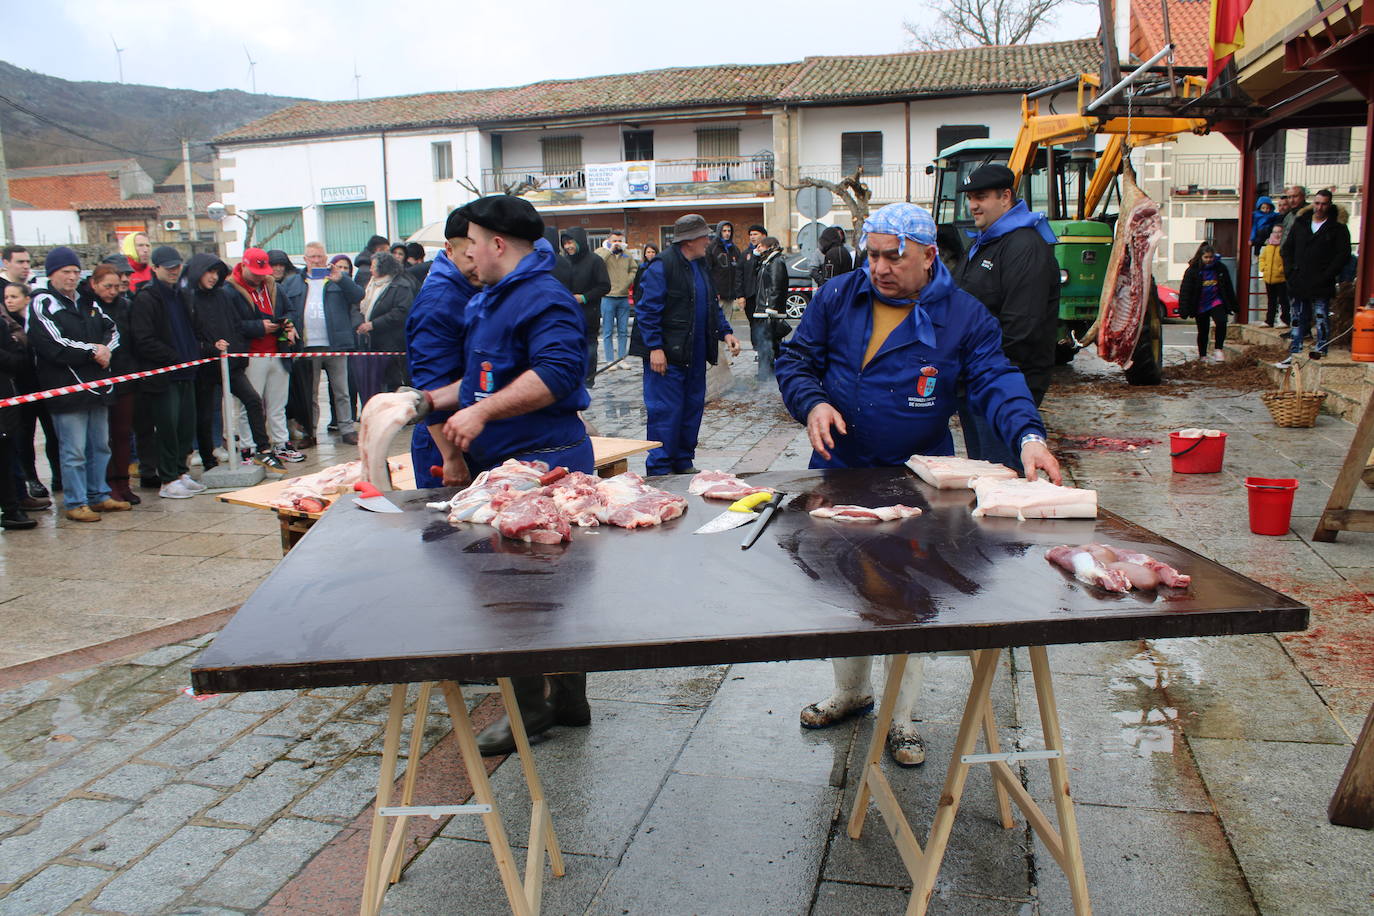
x=1348, y=384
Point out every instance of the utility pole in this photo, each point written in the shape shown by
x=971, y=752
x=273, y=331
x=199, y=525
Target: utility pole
x=190, y=192
x=5, y=204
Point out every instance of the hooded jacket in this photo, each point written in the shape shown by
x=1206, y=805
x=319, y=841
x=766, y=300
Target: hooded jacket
x=165, y=334
x=1271, y=264
x=278, y=306
x=725, y=261
x=1010, y=268
x=142, y=272
x=63, y=335
x=1313, y=260
x=899, y=404
x=436, y=332
x=526, y=321
x=220, y=313
x=835, y=258
x=1190, y=289
x=582, y=274
x=1261, y=223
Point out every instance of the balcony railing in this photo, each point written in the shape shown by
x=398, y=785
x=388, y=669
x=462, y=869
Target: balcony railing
x=888, y=187
x=742, y=175
x=1219, y=175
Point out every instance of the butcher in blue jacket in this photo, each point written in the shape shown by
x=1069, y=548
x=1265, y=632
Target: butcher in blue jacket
x=436, y=332
x=518, y=395
x=872, y=371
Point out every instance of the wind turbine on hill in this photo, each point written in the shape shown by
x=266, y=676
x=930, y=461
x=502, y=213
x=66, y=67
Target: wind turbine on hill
x=252, y=69
x=119, y=56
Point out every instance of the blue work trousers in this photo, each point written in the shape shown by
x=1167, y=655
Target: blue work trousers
x=424, y=454
x=674, y=402
x=1313, y=315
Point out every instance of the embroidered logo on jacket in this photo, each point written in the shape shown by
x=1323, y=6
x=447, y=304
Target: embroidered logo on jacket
x=925, y=388
x=486, y=381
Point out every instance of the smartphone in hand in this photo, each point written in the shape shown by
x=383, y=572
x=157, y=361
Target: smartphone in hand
x=318, y=273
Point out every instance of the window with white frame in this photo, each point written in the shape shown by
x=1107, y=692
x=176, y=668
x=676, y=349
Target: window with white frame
x=442, y=156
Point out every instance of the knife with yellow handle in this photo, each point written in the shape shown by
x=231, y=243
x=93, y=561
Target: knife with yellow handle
x=741, y=512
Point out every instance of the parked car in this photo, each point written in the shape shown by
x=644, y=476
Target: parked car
x=800, y=286
x=1168, y=297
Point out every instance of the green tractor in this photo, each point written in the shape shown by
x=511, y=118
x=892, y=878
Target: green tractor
x=1057, y=187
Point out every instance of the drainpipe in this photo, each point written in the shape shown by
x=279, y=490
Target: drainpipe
x=907, y=106
x=386, y=191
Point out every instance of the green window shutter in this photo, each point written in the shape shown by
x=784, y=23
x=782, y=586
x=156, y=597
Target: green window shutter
x=347, y=227
x=284, y=229
x=408, y=218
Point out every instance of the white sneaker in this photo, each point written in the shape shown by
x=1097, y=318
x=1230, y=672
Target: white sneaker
x=175, y=490
x=221, y=455
x=190, y=483
x=1285, y=363
x=1218, y=356
x=195, y=461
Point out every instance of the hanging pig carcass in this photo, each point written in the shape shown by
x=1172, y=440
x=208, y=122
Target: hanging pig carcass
x=1129, y=284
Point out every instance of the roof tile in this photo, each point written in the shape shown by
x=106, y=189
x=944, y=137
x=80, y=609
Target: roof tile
x=908, y=75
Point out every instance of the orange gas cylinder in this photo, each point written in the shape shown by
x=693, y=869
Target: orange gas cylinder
x=1362, y=334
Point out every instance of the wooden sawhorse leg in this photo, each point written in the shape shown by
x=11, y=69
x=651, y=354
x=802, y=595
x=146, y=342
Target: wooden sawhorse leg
x=923, y=864
x=384, y=849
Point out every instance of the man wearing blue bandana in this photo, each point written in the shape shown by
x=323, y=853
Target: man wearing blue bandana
x=520, y=391
x=1011, y=269
x=871, y=372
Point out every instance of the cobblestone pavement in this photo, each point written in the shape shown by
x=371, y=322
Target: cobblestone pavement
x=1201, y=767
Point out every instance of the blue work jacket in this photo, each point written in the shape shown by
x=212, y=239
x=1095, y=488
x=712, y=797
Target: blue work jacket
x=899, y=404
x=436, y=330
x=526, y=321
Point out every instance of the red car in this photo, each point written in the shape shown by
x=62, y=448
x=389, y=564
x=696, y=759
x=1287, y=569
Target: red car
x=1168, y=297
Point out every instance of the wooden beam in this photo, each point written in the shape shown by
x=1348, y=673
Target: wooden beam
x=1353, y=803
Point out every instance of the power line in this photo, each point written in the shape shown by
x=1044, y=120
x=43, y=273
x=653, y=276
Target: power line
x=76, y=133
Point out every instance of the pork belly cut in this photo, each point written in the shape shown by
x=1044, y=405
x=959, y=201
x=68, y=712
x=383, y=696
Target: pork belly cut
x=948, y=472
x=1023, y=499
x=865, y=514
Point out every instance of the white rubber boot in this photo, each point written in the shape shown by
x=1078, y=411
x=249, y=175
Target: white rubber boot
x=904, y=744
x=853, y=694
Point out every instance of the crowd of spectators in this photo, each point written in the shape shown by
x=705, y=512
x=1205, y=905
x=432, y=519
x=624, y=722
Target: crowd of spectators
x=142, y=308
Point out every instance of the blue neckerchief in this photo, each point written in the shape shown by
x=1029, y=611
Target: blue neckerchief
x=1018, y=217
x=938, y=287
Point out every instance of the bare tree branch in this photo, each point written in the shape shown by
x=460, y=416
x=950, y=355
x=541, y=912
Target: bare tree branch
x=850, y=190
x=945, y=24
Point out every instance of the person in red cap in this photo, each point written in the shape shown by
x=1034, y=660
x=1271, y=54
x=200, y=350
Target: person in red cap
x=271, y=378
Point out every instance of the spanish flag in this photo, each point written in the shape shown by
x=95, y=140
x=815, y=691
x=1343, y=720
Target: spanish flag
x=1227, y=35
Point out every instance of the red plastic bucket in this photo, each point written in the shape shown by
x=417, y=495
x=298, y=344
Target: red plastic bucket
x=1271, y=503
x=1202, y=455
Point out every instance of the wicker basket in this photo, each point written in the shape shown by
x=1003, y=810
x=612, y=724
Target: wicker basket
x=1296, y=408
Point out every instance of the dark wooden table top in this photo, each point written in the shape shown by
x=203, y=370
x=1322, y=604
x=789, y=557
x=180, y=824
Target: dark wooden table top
x=369, y=598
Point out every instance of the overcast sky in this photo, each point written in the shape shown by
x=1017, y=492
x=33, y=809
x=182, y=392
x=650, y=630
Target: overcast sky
x=309, y=49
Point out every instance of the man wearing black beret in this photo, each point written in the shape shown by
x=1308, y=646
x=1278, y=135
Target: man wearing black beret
x=518, y=396
x=1010, y=268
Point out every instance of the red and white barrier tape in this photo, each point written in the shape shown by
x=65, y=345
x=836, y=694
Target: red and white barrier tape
x=146, y=373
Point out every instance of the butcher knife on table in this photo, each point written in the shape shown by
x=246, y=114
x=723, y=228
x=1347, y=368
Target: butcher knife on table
x=371, y=499
x=741, y=512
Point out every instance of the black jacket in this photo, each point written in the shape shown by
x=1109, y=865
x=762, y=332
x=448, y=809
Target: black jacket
x=835, y=258
x=389, y=315
x=583, y=274
x=635, y=290
x=1017, y=278
x=125, y=359
x=725, y=263
x=772, y=285
x=63, y=335
x=678, y=318
x=1313, y=260
x=749, y=275
x=156, y=335
x=1190, y=290
x=14, y=358
x=219, y=313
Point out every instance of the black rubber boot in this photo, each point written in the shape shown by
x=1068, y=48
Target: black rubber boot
x=14, y=518
x=568, y=695
x=535, y=710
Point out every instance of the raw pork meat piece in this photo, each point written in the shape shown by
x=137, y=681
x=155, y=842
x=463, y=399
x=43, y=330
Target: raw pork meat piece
x=1025, y=499
x=720, y=485
x=865, y=514
x=382, y=417
x=1099, y=564
x=320, y=485
x=631, y=503
x=1088, y=568
x=948, y=472
x=578, y=500
x=522, y=475
x=1126, y=289
x=532, y=516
